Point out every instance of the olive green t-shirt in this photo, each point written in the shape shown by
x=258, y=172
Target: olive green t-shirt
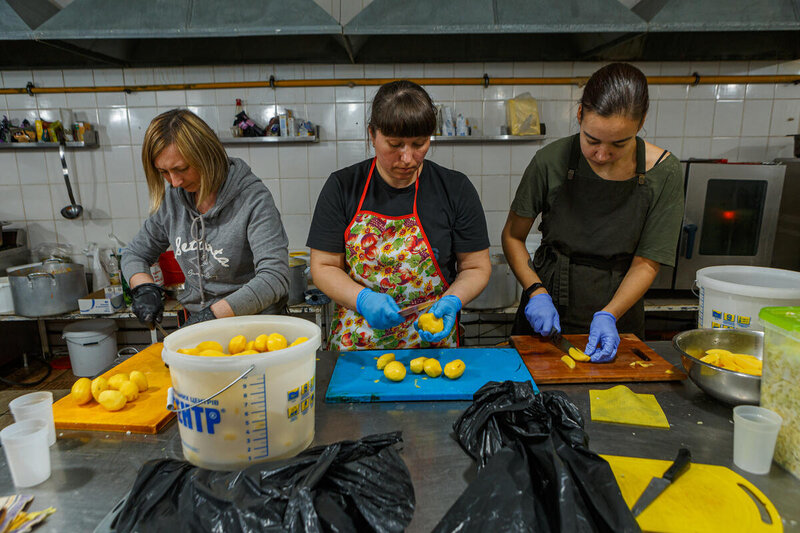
x=548, y=171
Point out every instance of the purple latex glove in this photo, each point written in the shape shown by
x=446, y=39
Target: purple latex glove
x=603, y=331
x=379, y=309
x=542, y=314
x=446, y=308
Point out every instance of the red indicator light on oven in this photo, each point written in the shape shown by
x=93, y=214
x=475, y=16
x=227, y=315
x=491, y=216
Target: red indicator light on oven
x=729, y=215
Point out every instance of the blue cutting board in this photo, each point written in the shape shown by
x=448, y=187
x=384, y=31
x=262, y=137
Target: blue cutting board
x=356, y=378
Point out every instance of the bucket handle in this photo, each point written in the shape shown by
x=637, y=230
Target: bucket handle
x=171, y=393
x=695, y=287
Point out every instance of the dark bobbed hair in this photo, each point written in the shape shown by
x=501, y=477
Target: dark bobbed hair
x=402, y=109
x=617, y=89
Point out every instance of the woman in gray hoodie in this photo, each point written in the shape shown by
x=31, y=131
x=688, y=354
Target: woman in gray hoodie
x=220, y=220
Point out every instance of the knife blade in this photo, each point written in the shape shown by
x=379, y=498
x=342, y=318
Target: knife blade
x=411, y=309
x=565, y=346
x=657, y=485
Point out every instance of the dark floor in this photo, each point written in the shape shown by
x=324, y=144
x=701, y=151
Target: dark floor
x=59, y=382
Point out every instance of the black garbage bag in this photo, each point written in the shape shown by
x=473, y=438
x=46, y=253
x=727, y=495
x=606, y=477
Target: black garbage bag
x=535, y=469
x=349, y=486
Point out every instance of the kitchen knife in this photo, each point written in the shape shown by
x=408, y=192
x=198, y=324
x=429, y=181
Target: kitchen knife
x=411, y=309
x=565, y=346
x=160, y=328
x=658, y=484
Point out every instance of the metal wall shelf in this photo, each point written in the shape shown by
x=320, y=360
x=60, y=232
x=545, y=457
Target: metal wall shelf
x=486, y=138
x=47, y=145
x=270, y=139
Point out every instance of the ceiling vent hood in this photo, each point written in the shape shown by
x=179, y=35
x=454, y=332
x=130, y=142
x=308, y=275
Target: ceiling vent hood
x=700, y=30
x=186, y=32
x=487, y=30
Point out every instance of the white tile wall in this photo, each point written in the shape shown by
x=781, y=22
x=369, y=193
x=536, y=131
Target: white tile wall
x=737, y=122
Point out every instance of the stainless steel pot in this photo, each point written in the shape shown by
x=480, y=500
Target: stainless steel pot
x=48, y=289
x=501, y=291
x=298, y=268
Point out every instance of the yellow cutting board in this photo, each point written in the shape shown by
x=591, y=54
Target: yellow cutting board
x=147, y=414
x=705, y=498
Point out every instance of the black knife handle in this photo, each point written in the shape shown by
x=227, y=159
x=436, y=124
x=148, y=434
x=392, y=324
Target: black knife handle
x=679, y=465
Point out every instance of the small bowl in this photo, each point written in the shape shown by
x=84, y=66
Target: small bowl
x=731, y=387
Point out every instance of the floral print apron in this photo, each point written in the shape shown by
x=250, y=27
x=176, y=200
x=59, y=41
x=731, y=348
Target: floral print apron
x=390, y=255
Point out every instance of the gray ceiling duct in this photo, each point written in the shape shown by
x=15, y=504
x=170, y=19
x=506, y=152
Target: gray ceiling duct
x=12, y=27
x=184, y=32
x=683, y=30
x=488, y=30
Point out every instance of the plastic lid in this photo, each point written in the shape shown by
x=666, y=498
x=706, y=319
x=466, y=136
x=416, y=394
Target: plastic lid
x=787, y=318
x=82, y=329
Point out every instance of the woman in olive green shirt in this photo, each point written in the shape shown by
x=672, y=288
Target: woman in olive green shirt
x=611, y=207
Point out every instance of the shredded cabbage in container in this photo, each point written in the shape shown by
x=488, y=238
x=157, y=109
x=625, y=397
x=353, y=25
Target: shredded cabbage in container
x=779, y=392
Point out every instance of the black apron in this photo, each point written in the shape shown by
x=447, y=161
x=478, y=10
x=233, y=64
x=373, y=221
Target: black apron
x=589, y=236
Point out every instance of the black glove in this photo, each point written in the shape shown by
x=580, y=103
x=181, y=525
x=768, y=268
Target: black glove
x=148, y=303
x=200, y=316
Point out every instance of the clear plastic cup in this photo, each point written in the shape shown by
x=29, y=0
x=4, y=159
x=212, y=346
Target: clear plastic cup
x=36, y=405
x=27, y=451
x=755, y=430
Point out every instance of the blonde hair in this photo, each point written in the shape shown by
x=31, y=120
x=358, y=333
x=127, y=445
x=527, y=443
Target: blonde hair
x=196, y=142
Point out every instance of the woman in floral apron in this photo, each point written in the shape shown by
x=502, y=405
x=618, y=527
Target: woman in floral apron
x=398, y=230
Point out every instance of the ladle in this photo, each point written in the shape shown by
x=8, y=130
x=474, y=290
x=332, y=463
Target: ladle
x=73, y=210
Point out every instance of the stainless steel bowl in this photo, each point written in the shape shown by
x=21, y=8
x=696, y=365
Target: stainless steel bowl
x=726, y=385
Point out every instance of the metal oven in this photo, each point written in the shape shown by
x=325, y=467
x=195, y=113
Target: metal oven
x=731, y=218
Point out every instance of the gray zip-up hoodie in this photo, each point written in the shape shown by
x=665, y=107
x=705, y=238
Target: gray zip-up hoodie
x=236, y=251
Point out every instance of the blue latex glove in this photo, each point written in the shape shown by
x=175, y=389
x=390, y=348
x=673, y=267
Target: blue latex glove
x=446, y=308
x=603, y=331
x=542, y=314
x=379, y=309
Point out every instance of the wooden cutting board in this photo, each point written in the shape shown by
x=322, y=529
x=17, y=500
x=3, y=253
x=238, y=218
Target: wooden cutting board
x=543, y=359
x=705, y=498
x=147, y=414
x=356, y=378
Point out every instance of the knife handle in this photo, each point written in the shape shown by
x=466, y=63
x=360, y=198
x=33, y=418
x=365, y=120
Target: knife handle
x=679, y=465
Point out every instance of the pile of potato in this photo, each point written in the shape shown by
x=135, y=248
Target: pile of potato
x=112, y=393
x=239, y=345
x=738, y=362
x=396, y=371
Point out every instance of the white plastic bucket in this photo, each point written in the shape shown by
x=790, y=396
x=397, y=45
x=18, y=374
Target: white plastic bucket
x=92, y=345
x=266, y=415
x=731, y=296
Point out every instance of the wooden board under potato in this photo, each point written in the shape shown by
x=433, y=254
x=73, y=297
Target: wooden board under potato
x=148, y=414
x=543, y=359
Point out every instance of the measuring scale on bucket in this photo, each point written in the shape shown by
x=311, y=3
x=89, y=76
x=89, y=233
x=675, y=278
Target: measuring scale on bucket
x=237, y=410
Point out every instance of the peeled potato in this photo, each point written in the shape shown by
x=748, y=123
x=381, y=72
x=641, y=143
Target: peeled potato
x=395, y=371
x=418, y=365
x=140, y=380
x=237, y=344
x=454, y=369
x=212, y=353
x=247, y=352
x=299, y=340
x=384, y=360
x=188, y=351
x=430, y=323
x=276, y=341
x=99, y=385
x=113, y=400
x=208, y=345
x=116, y=380
x=578, y=355
x=260, y=344
x=250, y=345
x=569, y=361
x=130, y=390
x=432, y=367
x=82, y=391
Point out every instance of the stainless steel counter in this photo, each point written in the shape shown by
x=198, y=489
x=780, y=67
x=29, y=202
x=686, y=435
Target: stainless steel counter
x=91, y=471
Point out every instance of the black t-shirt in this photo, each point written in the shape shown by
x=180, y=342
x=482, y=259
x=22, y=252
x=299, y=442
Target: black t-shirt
x=448, y=205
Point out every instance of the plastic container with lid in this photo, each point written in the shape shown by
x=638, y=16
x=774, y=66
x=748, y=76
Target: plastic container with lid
x=92, y=345
x=780, y=378
x=732, y=295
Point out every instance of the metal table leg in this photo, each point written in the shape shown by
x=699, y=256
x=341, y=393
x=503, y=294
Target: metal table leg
x=43, y=338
